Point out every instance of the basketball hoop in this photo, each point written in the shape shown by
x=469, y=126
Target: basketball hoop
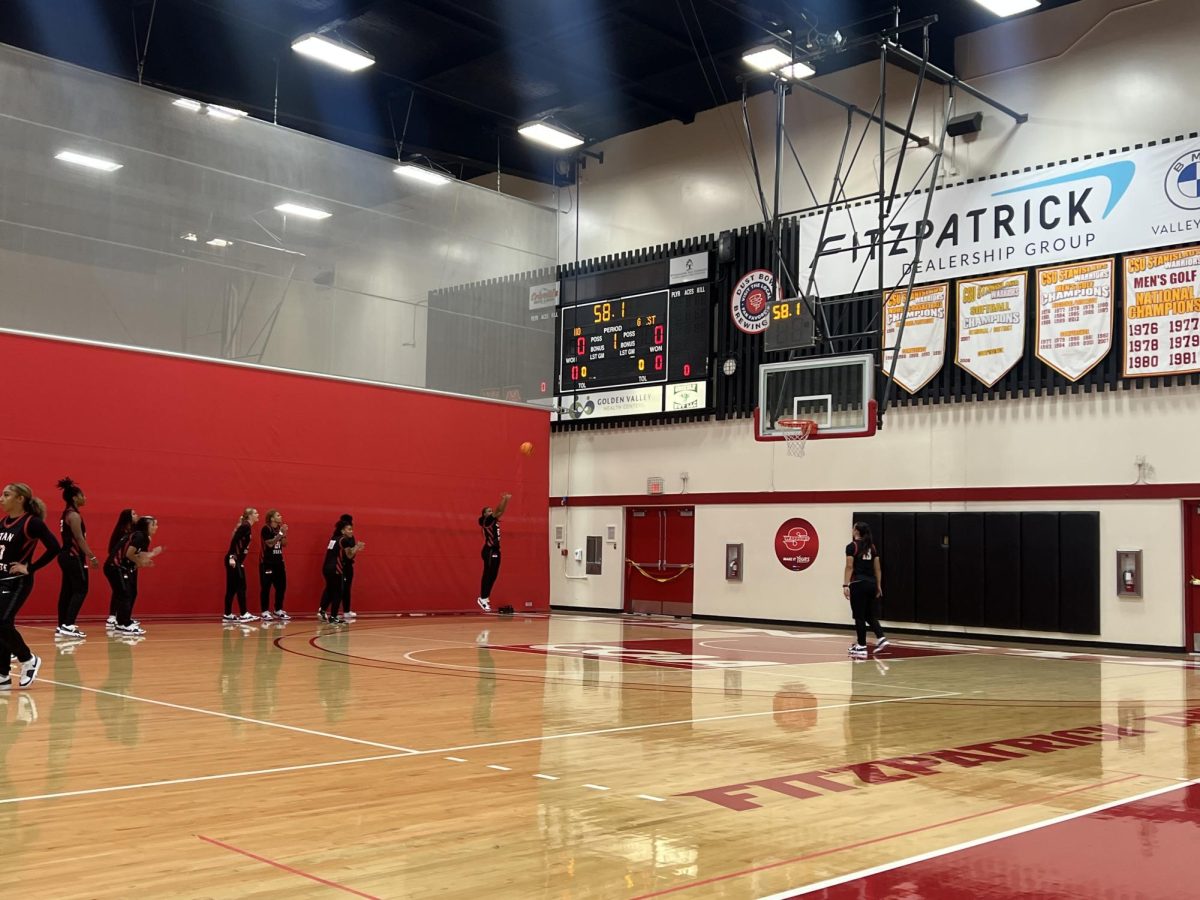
x=796, y=433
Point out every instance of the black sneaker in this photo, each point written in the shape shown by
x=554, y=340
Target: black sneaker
x=858, y=650
x=29, y=670
x=882, y=644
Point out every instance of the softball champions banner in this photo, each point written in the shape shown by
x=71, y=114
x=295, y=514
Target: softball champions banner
x=923, y=351
x=991, y=325
x=1075, y=316
x=1145, y=198
x=1162, y=313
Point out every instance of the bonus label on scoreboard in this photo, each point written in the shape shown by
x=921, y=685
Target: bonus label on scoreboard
x=635, y=353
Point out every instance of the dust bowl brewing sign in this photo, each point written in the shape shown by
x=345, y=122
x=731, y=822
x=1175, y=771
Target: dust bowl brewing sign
x=796, y=544
x=751, y=301
x=991, y=325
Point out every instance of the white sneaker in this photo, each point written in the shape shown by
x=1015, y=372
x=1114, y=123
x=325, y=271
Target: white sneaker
x=247, y=617
x=229, y=618
x=349, y=616
x=111, y=621
x=484, y=604
x=68, y=631
x=282, y=616
x=858, y=650
x=6, y=684
x=131, y=628
x=267, y=617
x=29, y=670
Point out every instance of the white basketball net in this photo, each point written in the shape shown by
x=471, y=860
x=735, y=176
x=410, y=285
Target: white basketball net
x=796, y=434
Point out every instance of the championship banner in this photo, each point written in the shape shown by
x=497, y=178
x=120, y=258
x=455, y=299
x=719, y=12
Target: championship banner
x=1075, y=316
x=923, y=351
x=1108, y=204
x=1162, y=313
x=991, y=325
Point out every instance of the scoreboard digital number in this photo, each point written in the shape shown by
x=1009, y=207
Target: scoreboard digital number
x=790, y=326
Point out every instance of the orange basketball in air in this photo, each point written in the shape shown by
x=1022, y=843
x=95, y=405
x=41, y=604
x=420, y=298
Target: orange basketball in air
x=527, y=448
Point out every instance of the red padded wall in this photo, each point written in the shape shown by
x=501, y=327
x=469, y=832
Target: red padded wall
x=194, y=442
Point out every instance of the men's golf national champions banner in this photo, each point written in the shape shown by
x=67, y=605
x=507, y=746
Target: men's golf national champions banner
x=1074, y=316
x=922, y=347
x=1162, y=313
x=991, y=325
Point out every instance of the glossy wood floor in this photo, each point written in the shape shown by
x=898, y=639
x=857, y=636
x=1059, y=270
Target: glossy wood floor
x=556, y=757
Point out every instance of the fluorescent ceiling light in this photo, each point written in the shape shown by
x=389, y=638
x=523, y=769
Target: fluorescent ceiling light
x=304, y=212
x=225, y=112
x=190, y=236
x=188, y=103
x=333, y=53
x=551, y=135
x=219, y=242
x=1009, y=7
x=91, y=162
x=418, y=172
x=767, y=59
x=797, y=70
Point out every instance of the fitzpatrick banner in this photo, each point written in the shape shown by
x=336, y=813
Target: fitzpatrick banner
x=1075, y=316
x=1111, y=204
x=991, y=325
x=1162, y=313
x=923, y=351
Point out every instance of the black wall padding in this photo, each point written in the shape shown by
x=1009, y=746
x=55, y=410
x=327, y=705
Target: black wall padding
x=898, y=561
x=1002, y=570
x=1039, y=571
x=1079, y=572
x=968, y=583
x=933, y=568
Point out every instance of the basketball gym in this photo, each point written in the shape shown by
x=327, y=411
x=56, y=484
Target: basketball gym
x=787, y=271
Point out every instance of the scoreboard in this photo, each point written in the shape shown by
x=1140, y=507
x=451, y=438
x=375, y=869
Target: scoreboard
x=634, y=353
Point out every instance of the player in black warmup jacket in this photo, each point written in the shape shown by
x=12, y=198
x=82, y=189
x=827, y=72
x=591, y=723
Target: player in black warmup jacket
x=21, y=529
x=862, y=584
x=489, y=523
x=271, y=571
x=341, y=547
x=235, y=567
x=125, y=522
x=131, y=554
x=348, y=580
x=73, y=560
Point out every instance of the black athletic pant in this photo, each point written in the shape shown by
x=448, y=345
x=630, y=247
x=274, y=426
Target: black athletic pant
x=347, y=583
x=331, y=599
x=491, y=568
x=74, y=587
x=14, y=591
x=862, y=606
x=124, y=584
x=235, y=583
x=110, y=575
x=274, y=577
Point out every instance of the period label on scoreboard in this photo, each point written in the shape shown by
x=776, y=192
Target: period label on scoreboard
x=922, y=347
x=991, y=325
x=1162, y=313
x=1074, y=316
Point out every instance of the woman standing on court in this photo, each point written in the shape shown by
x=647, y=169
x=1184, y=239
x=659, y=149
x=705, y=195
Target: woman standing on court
x=133, y=553
x=348, y=580
x=489, y=523
x=341, y=547
x=73, y=560
x=111, y=572
x=271, y=573
x=862, y=583
x=21, y=530
x=235, y=566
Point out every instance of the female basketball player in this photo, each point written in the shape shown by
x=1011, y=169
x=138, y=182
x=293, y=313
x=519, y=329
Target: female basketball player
x=21, y=529
x=271, y=572
x=348, y=583
x=341, y=547
x=120, y=531
x=73, y=560
x=235, y=567
x=862, y=583
x=489, y=522
x=132, y=554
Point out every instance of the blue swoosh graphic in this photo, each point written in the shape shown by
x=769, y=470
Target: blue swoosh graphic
x=1119, y=175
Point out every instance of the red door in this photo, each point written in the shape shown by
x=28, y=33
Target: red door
x=659, y=548
x=1191, y=560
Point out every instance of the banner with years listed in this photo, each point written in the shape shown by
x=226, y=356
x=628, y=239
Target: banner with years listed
x=923, y=347
x=1074, y=316
x=991, y=325
x=1162, y=313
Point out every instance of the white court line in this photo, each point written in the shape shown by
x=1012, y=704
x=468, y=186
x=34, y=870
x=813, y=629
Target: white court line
x=211, y=712
x=546, y=777
x=455, y=759
x=967, y=845
x=500, y=768
x=652, y=797
x=596, y=787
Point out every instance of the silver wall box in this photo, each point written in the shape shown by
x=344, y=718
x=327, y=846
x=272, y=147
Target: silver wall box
x=1129, y=573
x=733, y=562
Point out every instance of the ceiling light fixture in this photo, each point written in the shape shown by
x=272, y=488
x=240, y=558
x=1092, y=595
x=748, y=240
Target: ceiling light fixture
x=225, y=112
x=1009, y=7
x=189, y=236
x=797, y=70
x=219, y=242
x=332, y=52
x=426, y=174
x=304, y=212
x=543, y=131
x=188, y=104
x=767, y=58
x=90, y=162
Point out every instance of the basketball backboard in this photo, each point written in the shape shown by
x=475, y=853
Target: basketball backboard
x=837, y=392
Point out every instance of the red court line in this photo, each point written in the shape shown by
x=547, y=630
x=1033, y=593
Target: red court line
x=286, y=868
x=876, y=840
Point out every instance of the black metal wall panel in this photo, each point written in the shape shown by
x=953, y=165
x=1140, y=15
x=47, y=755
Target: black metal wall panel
x=932, y=568
x=1039, y=571
x=1002, y=567
x=967, y=580
x=1079, y=572
x=899, y=564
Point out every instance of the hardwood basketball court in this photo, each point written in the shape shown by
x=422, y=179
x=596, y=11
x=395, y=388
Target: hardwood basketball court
x=587, y=756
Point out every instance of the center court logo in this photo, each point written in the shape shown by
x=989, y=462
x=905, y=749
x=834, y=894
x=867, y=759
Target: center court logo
x=750, y=303
x=1182, y=184
x=796, y=544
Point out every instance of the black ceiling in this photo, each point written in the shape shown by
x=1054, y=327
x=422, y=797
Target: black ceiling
x=473, y=69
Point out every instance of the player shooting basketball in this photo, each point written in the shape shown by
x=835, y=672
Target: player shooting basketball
x=489, y=522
